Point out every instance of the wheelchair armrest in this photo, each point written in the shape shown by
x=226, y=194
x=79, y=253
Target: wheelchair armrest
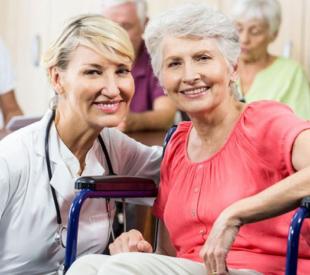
x=305, y=202
x=115, y=183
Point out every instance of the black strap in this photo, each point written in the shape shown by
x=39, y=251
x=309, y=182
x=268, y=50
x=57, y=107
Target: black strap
x=105, y=151
x=49, y=169
x=168, y=136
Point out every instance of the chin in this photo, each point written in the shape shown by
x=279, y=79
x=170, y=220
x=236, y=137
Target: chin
x=107, y=122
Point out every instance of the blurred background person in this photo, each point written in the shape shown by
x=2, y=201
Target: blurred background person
x=8, y=104
x=150, y=109
x=262, y=75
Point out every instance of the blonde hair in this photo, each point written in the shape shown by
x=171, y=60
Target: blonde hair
x=93, y=31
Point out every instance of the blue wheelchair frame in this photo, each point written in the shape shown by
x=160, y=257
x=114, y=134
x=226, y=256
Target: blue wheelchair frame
x=135, y=187
x=293, y=236
x=102, y=187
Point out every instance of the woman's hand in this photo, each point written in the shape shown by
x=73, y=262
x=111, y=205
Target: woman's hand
x=131, y=241
x=216, y=247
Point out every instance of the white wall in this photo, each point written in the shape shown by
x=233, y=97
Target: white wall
x=21, y=21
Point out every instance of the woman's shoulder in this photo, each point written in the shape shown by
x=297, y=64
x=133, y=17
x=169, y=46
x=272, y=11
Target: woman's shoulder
x=264, y=116
x=183, y=127
x=181, y=132
x=265, y=108
x=286, y=64
x=177, y=141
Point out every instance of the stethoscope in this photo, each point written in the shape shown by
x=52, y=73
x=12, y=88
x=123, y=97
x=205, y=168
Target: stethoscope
x=62, y=228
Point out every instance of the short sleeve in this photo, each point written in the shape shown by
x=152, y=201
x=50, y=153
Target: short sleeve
x=272, y=128
x=6, y=74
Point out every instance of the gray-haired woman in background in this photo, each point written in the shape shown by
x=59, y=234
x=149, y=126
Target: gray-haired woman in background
x=261, y=74
x=233, y=164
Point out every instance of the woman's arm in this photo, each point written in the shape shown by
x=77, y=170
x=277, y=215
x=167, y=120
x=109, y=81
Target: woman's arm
x=275, y=200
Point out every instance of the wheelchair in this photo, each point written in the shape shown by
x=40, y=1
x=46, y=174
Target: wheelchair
x=137, y=187
x=103, y=187
x=293, y=236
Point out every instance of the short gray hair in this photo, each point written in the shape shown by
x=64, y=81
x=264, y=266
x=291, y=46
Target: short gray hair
x=141, y=7
x=197, y=20
x=267, y=10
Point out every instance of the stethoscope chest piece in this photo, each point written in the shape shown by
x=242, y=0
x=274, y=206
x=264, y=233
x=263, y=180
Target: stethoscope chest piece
x=61, y=235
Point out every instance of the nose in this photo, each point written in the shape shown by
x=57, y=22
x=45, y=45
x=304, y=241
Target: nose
x=243, y=37
x=110, y=87
x=190, y=75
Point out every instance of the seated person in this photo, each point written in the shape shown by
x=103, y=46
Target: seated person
x=89, y=68
x=263, y=75
x=232, y=165
x=150, y=109
x=8, y=103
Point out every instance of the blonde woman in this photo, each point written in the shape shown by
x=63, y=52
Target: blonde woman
x=89, y=68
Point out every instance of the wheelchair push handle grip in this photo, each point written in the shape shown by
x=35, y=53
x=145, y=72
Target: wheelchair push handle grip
x=115, y=183
x=306, y=202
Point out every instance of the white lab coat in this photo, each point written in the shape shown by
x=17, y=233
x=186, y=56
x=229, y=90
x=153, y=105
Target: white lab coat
x=27, y=212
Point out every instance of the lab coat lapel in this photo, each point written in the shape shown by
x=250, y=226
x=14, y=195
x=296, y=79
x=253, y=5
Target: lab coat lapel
x=63, y=182
x=93, y=165
x=62, y=179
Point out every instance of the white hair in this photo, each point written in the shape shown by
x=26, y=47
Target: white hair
x=141, y=7
x=266, y=10
x=197, y=20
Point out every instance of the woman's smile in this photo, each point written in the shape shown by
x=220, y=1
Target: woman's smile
x=108, y=107
x=195, y=92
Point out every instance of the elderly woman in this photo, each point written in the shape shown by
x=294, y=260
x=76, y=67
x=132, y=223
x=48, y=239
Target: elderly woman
x=262, y=75
x=89, y=68
x=233, y=164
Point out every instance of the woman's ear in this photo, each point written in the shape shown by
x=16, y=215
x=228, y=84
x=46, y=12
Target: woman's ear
x=56, y=79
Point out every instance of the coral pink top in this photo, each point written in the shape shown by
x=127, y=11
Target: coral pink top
x=256, y=155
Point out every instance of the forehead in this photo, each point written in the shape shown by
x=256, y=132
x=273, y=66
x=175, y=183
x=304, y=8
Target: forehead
x=84, y=55
x=253, y=22
x=181, y=46
x=122, y=13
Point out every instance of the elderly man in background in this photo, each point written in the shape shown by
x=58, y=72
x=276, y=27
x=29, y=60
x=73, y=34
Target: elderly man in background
x=150, y=109
x=8, y=103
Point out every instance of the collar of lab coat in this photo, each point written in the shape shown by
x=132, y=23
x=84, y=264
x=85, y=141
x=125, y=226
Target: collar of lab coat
x=65, y=166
